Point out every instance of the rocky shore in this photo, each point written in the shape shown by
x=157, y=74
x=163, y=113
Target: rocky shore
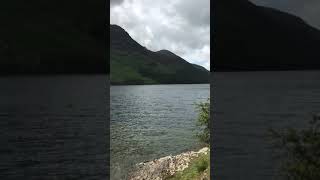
x=160, y=169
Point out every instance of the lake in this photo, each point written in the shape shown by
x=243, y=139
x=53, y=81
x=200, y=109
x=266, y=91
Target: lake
x=152, y=121
x=246, y=105
x=53, y=127
x=43, y=118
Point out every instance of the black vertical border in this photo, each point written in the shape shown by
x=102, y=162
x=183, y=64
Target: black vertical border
x=107, y=58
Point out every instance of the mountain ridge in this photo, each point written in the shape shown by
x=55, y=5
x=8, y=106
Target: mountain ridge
x=148, y=67
x=256, y=38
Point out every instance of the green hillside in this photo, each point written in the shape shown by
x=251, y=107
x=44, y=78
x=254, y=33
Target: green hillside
x=132, y=63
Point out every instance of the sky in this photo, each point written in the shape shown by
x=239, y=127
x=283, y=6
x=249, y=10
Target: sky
x=180, y=26
x=308, y=10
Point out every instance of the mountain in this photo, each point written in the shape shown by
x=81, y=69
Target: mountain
x=54, y=36
x=132, y=63
x=250, y=37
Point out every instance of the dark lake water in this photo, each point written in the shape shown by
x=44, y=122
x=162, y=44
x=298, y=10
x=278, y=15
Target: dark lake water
x=245, y=105
x=53, y=127
x=152, y=121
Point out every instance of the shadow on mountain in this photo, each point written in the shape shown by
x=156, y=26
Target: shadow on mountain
x=50, y=37
x=250, y=37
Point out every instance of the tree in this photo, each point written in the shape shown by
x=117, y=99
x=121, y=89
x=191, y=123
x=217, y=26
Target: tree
x=203, y=121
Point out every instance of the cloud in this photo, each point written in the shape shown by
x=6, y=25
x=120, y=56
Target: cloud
x=308, y=10
x=115, y=2
x=181, y=26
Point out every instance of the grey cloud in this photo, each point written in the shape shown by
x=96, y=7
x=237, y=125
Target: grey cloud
x=196, y=12
x=181, y=26
x=115, y=2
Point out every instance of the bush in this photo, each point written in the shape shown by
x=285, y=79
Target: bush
x=203, y=121
x=300, y=151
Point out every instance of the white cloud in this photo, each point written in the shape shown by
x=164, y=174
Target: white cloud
x=181, y=26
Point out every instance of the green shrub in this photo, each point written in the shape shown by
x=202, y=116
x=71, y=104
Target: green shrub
x=300, y=151
x=203, y=121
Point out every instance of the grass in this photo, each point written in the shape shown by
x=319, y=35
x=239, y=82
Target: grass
x=198, y=169
x=125, y=69
x=138, y=68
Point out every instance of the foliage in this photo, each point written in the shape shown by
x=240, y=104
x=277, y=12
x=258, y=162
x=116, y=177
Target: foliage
x=198, y=169
x=204, y=121
x=300, y=150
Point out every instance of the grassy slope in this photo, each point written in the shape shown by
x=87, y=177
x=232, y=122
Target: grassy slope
x=199, y=168
x=132, y=63
x=125, y=72
x=130, y=68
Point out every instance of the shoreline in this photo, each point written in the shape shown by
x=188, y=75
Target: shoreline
x=165, y=167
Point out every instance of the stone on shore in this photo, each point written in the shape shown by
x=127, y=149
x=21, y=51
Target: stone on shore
x=162, y=168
